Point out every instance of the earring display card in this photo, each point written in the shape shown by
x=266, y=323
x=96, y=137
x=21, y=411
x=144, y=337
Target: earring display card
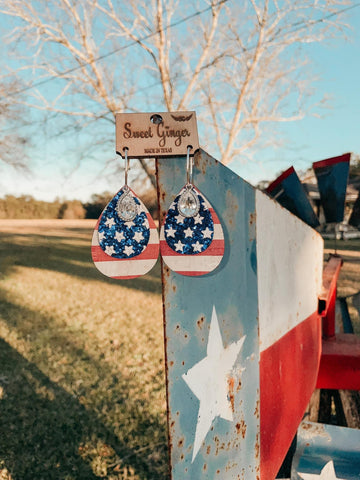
x=161, y=134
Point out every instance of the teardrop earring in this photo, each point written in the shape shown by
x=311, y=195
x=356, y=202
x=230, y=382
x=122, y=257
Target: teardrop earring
x=125, y=241
x=191, y=236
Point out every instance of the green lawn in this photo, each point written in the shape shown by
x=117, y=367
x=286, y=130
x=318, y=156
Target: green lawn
x=82, y=387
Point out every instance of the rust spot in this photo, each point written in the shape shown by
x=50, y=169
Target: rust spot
x=205, y=467
x=183, y=363
x=163, y=196
x=257, y=446
x=241, y=428
x=252, y=218
x=218, y=472
x=172, y=424
x=231, y=382
x=177, y=327
x=256, y=411
x=182, y=456
x=174, y=288
x=186, y=335
x=171, y=363
x=180, y=442
x=208, y=450
x=200, y=322
x=239, y=386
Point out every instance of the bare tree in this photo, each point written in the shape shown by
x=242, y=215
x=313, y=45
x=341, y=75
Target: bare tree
x=12, y=144
x=240, y=65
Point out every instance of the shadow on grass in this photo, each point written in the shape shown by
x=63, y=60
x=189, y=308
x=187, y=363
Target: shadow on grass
x=65, y=254
x=46, y=432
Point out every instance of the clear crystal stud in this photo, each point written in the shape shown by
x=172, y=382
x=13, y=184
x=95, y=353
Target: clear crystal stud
x=188, y=204
x=126, y=207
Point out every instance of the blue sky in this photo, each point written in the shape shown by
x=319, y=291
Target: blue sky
x=312, y=139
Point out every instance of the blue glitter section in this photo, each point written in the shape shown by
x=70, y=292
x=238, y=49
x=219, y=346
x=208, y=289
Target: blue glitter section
x=200, y=225
x=133, y=234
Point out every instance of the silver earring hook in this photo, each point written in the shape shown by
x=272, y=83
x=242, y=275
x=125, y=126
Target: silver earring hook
x=189, y=166
x=126, y=166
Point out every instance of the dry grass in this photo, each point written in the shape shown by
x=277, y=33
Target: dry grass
x=82, y=368
x=82, y=387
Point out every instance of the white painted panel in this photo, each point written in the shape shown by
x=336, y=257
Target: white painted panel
x=289, y=268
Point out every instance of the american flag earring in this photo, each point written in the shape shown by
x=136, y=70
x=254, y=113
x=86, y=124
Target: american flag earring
x=125, y=241
x=191, y=236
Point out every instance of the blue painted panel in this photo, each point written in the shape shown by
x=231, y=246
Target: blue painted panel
x=231, y=447
x=332, y=178
x=319, y=444
x=290, y=193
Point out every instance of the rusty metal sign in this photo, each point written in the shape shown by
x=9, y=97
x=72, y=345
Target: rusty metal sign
x=326, y=452
x=160, y=134
x=236, y=338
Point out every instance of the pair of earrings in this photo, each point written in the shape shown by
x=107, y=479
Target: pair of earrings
x=126, y=244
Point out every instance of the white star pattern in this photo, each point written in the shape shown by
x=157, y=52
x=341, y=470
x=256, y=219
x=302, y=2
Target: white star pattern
x=327, y=473
x=208, y=380
x=146, y=223
x=197, y=246
x=179, y=218
x=110, y=222
x=109, y=250
x=188, y=232
x=119, y=236
x=128, y=250
x=138, y=236
x=198, y=219
x=207, y=233
x=101, y=236
x=171, y=232
x=179, y=246
x=129, y=224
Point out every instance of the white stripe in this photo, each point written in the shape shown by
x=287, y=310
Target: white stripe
x=289, y=270
x=191, y=263
x=125, y=268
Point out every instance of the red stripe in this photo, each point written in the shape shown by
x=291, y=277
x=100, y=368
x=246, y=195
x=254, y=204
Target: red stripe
x=288, y=372
x=151, y=251
x=332, y=161
x=192, y=274
x=216, y=248
x=280, y=179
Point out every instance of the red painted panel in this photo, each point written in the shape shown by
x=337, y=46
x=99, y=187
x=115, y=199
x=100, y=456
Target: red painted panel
x=332, y=161
x=278, y=180
x=288, y=372
x=340, y=363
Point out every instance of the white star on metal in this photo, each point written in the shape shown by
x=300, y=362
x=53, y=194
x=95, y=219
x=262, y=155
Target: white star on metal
x=130, y=224
x=179, y=246
x=198, y=219
x=197, y=246
x=179, y=218
x=110, y=222
x=109, y=250
x=327, y=473
x=128, y=249
x=119, y=236
x=138, y=236
x=170, y=232
x=207, y=233
x=208, y=380
x=188, y=232
x=101, y=236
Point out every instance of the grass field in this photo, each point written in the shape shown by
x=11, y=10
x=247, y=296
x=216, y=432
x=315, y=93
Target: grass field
x=82, y=387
